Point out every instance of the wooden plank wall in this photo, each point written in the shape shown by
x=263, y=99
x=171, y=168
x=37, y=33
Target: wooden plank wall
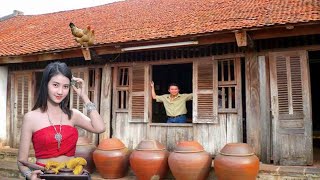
x=170, y=135
x=129, y=133
x=212, y=136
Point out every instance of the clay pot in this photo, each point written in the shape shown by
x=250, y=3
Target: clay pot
x=149, y=161
x=85, y=149
x=189, y=161
x=111, y=158
x=236, y=161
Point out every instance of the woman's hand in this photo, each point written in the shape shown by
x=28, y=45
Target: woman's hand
x=78, y=85
x=152, y=84
x=35, y=174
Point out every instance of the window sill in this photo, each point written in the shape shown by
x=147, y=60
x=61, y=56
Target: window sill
x=172, y=124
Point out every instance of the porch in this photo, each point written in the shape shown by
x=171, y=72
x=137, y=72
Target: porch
x=9, y=170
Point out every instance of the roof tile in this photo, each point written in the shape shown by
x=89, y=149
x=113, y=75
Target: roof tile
x=137, y=20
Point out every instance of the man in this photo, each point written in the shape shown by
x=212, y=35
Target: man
x=174, y=103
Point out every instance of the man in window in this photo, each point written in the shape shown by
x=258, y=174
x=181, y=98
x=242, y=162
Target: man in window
x=174, y=103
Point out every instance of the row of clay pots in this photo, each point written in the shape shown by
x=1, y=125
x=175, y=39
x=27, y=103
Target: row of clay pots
x=150, y=160
x=188, y=161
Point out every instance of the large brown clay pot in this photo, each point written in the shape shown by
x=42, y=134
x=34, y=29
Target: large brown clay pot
x=189, y=161
x=149, y=161
x=85, y=149
x=236, y=161
x=111, y=158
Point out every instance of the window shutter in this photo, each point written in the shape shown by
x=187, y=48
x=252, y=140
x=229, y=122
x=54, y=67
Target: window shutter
x=289, y=84
x=205, y=89
x=22, y=102
x=75, y=100
x=139, y=104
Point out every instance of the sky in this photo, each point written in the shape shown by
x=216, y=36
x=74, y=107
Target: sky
x=31, y=7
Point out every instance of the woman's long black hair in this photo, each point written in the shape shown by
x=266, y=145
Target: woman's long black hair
x=51, y=70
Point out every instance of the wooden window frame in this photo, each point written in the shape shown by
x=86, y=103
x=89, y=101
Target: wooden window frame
x=233, y=83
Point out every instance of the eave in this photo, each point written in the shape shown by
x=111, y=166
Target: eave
x=203, y=39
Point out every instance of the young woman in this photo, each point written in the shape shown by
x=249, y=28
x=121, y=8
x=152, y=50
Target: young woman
x=50, y=126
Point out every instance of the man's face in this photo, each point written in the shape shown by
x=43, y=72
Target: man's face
x=173, y=90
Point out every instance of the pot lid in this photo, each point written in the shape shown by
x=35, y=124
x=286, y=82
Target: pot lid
x=237, y=149
x=150, y=145
x=188, y=147
x=111, y=144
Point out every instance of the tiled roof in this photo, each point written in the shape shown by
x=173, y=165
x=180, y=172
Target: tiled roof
x=137, y=20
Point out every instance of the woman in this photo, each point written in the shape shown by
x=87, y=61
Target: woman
x=51, y=124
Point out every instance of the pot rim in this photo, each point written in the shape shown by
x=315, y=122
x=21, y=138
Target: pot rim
x=151, y=149
x=111, y=149
x=227, y=154
x=188, y=151
x=155, y=146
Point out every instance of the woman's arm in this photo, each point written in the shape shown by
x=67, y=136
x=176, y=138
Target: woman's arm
x=93, y=122
x=23, y=152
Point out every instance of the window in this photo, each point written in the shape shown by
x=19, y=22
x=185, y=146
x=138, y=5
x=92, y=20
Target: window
x=163, y=76
x=122, y=88
x=226, y=84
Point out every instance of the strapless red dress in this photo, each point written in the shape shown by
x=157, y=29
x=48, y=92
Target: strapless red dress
x=46, y=146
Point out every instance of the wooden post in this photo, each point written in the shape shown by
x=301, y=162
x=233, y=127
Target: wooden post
x=241, y=37
x=105, y=105
x=86, y=53
x=253, y=124
x=258, y=120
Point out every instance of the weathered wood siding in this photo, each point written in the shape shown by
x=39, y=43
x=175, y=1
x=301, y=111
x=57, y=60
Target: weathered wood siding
x=129, y=133
x=212, y=136
x=170, y=134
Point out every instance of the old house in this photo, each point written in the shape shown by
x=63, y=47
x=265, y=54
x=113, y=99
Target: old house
x=252, y=67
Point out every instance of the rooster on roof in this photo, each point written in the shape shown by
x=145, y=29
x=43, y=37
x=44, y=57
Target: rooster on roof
x=83, y=36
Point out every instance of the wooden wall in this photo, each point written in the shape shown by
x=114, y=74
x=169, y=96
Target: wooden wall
x=212, y=136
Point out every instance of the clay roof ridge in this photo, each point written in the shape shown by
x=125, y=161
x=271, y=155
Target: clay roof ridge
x=14, y=14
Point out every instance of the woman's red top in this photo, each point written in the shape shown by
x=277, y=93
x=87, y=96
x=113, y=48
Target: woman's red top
x=46, y=146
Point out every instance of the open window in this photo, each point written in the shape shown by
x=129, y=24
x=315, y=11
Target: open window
x=163, y=76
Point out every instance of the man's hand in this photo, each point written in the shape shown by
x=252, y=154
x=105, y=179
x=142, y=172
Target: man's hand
x=153, y=93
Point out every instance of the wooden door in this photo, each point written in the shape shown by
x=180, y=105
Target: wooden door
x=291, y=108
x=22, y=103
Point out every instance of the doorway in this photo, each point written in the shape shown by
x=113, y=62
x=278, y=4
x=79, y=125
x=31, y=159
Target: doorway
x=163, y=76
x=314, y=65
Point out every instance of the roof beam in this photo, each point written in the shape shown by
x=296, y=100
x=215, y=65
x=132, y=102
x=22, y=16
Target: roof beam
x=241, y=38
